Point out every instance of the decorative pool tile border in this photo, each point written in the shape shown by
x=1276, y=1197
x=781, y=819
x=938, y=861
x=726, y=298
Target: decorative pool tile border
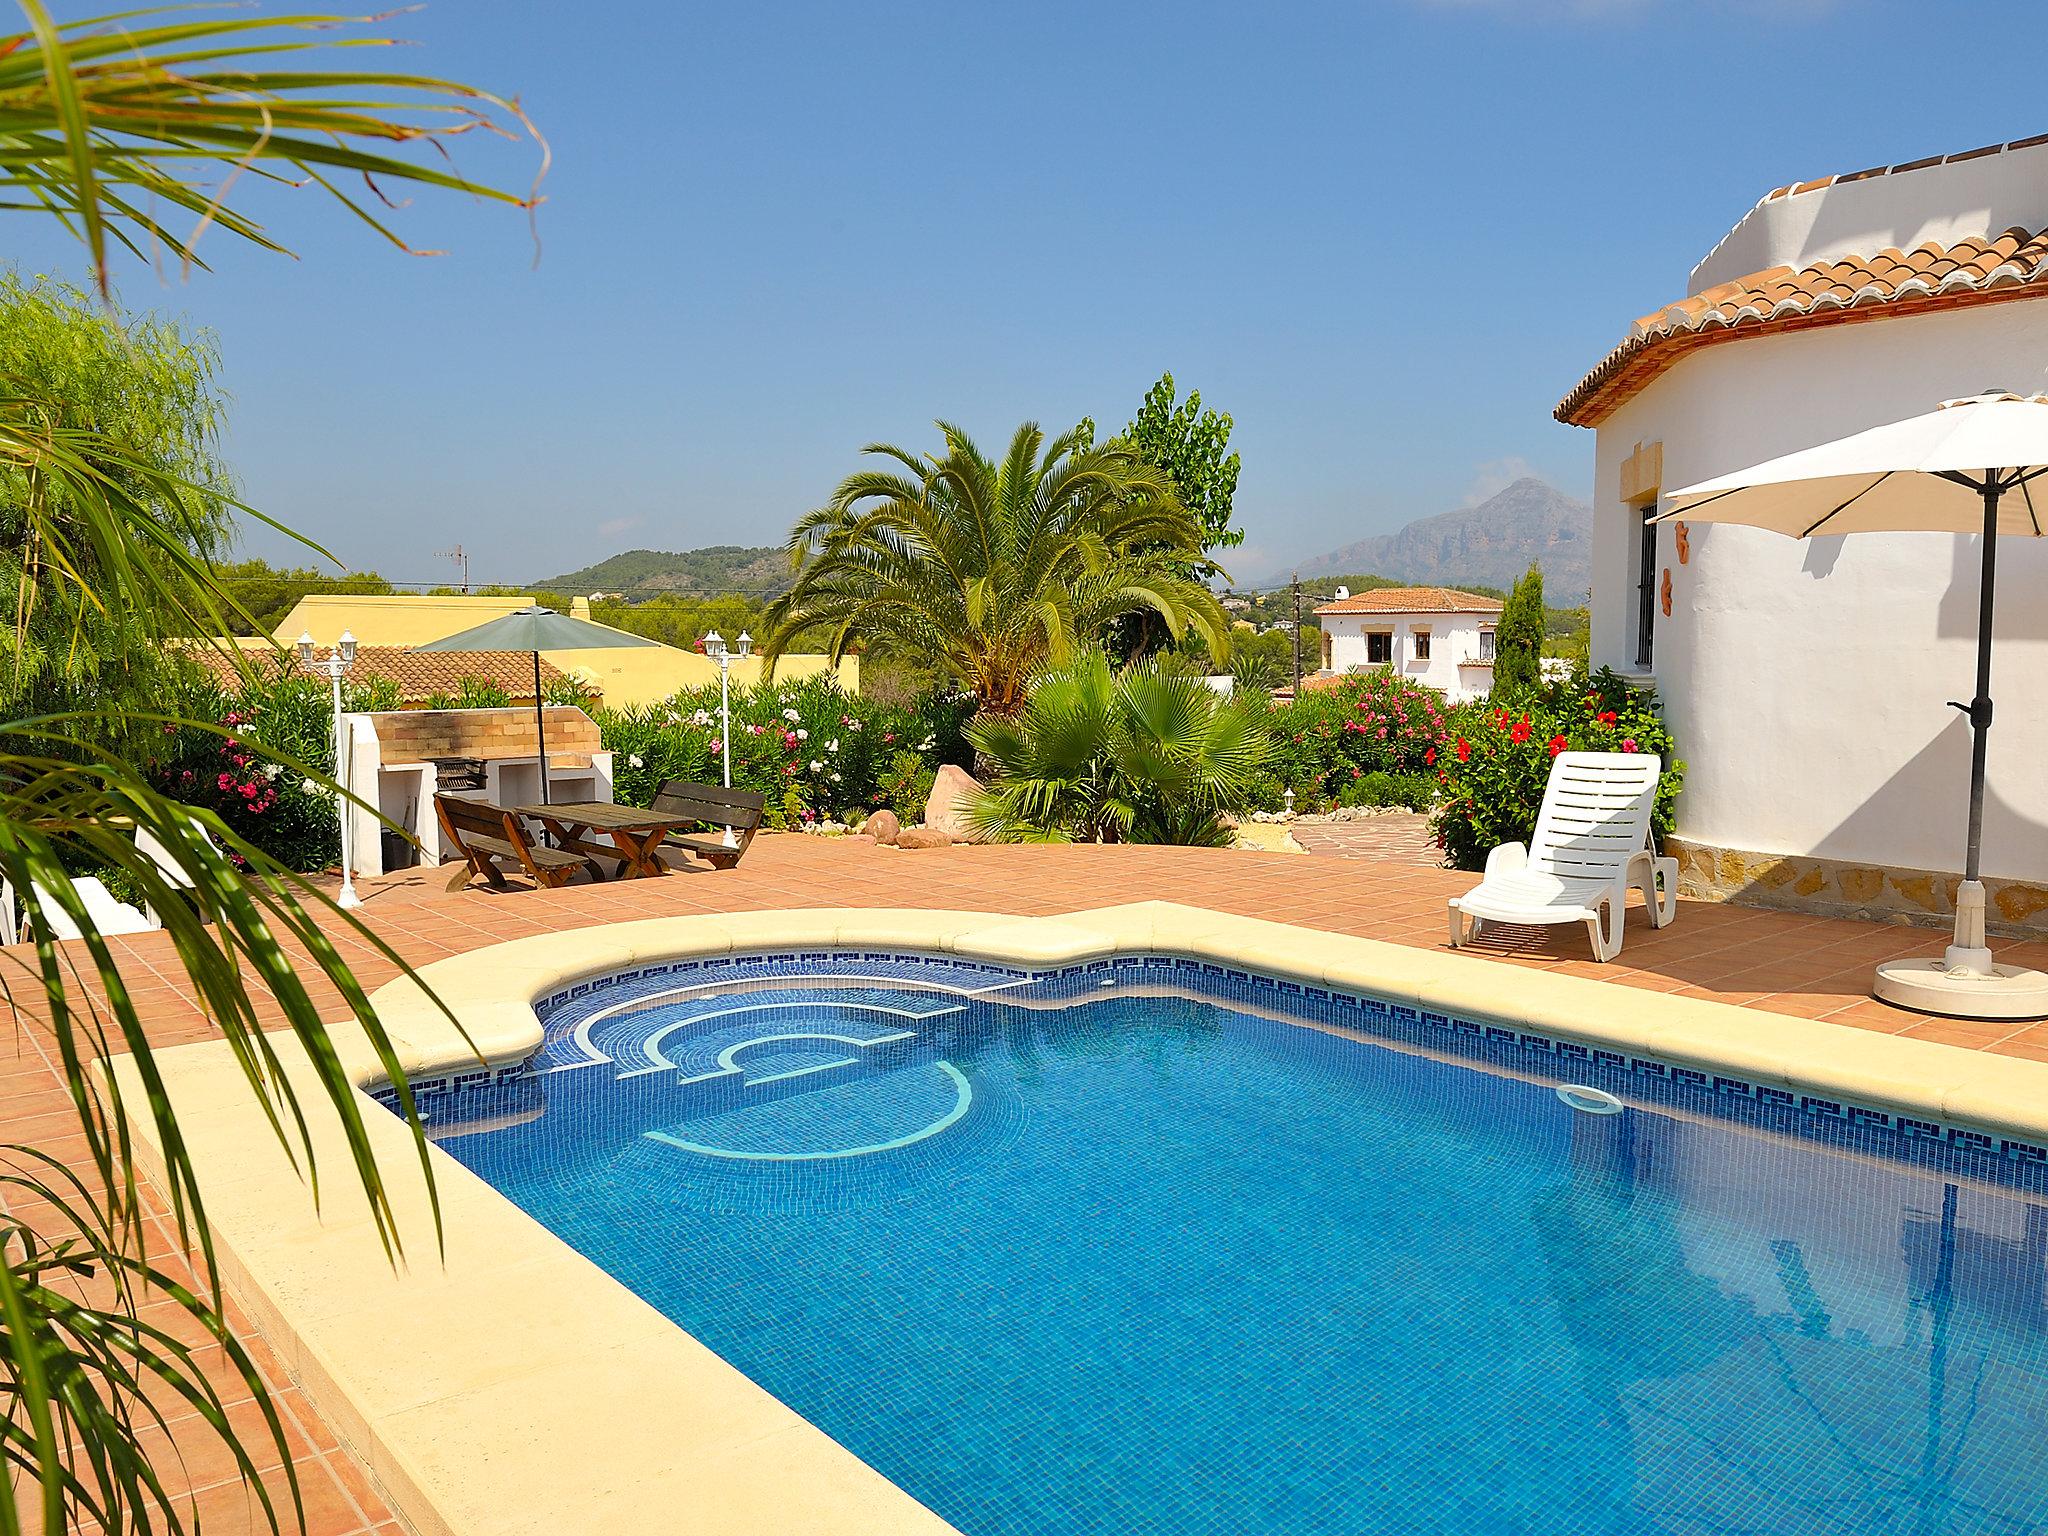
x=1864, y=1128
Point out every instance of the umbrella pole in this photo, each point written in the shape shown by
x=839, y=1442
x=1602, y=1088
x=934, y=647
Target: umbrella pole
x=540, y=731
x=1969, y=952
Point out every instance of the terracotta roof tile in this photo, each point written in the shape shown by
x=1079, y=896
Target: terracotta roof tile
x=420, y=675
x=1413, y=600
x=1891, y=282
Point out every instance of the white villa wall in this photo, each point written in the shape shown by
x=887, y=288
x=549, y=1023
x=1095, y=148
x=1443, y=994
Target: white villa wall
x=1961, y=200
x=1454, y=639
x=1805, y=681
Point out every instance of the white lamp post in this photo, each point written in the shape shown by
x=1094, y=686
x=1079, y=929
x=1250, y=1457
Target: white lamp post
x=332, y=668
x=716, y=648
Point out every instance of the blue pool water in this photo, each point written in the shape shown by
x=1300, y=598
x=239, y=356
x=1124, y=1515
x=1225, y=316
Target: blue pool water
x=1118, y=1252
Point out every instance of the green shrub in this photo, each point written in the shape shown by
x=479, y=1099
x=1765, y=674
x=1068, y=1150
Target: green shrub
x=1412, y=791
x=251, y=771
x=906, y=785
x=1330, y=738
x=480, y=693
x=840, y=752
x=371, y=695
x=1493, y=774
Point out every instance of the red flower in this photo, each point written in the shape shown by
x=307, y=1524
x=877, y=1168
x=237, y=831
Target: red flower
x=1429, y=758
x=1520, y=733
x=1606, y=717
x=1557, y=745
x=1629, y=745
x=1464, y=750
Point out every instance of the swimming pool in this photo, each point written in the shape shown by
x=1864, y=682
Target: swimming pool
x=1153, y=1245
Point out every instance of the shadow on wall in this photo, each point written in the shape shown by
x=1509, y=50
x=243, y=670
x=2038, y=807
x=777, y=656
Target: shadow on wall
x=1944, y=762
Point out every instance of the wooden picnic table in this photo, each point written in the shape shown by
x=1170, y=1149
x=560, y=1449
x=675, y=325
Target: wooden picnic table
x=636, y=834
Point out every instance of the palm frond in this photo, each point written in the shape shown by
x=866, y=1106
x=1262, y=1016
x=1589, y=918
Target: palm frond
x=103, y=121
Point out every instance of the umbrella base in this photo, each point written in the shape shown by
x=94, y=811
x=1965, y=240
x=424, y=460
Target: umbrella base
x=2002, y=992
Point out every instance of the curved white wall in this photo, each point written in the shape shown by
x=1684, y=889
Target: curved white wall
x=1943, y=203
x=1806, y=681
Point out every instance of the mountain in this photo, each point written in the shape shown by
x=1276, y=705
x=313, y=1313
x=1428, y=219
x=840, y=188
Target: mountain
x=640, y=573
x=1491, y=545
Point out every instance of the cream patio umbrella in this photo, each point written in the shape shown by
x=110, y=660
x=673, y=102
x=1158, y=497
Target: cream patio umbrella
x=1969, y=466
x=537, y=629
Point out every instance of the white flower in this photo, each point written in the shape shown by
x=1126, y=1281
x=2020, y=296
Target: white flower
x=927, y=744
x=832, y=745
x=790, y=714
x=835, y=778
x=312, y=786
x=853, y=725
x=702, y=717
x=802, y=734
x=816, y=766
x=636, y=761
x=272, y=770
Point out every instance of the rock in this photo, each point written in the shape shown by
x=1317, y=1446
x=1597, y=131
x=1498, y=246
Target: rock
x=883, y=827
x=946, y=809
x=922, y=837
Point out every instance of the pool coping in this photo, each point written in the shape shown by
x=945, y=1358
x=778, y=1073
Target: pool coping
x=509, y=1385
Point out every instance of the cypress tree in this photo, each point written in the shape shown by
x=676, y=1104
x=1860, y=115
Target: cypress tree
x=1518, y=641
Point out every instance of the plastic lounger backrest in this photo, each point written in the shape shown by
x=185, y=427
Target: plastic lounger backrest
x=1596, y=814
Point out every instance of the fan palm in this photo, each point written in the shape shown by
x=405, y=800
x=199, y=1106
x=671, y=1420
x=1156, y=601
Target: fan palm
x=1145, y=755
x=113, y=125
x=993, y=570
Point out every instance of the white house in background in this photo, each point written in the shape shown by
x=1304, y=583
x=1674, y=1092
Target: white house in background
x=1806, y=682
x=1432, y=635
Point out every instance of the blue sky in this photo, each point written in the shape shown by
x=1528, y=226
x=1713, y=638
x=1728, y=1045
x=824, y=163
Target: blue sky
x=1385, y=235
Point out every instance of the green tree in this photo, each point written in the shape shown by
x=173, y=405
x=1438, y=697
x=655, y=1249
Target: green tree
x=995, y=570
x=267, y=593
x=682, y=621
x=1145, y=754
x=117, y=125
x=137, y=400
x=1518, y=638
x=1188, y=443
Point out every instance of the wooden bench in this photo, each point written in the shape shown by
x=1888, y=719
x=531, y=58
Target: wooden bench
x=714, y=806
x=484, y=833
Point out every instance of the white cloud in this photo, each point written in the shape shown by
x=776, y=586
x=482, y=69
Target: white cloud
x=1495, y=476
x=618, y=525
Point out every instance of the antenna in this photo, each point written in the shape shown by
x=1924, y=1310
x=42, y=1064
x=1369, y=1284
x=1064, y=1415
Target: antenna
x=461, y=557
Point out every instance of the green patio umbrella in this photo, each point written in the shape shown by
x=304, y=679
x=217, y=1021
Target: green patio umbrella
x=536, y=630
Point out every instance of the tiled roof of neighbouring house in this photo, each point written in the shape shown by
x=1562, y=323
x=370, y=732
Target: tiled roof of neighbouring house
x=1777, y=300
x=1413, y=600
x=420, y=675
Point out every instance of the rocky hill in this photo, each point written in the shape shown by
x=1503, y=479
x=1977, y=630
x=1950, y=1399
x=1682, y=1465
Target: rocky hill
x=1490, y=544
x=720, y=568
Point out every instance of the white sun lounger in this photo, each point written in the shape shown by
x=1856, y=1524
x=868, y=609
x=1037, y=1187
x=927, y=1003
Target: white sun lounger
x=1592, y=842
x=109, y=916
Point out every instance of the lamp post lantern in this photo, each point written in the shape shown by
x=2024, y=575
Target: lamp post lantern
x=332, y=667
x=716, y=648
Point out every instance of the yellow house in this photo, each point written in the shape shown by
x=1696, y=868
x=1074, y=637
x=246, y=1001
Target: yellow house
x=626, y=676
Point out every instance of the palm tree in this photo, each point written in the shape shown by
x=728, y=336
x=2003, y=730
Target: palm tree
x=1146, y=755
x=993, y=570
x=114, y=125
